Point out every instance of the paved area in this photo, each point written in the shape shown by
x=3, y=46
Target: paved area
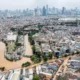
x=28, y=50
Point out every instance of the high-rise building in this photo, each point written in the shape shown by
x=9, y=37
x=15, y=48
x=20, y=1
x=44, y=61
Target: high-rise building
x=44, y=11
x=63, y=10
x=47, y=9
x=35, y=11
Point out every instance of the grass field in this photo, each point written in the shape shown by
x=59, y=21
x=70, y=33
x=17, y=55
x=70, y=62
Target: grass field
x=11, y=46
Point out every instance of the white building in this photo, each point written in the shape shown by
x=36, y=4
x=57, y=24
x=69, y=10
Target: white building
x=11, y=36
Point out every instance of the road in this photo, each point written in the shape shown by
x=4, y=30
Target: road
x=28, y=50
x=60, y=68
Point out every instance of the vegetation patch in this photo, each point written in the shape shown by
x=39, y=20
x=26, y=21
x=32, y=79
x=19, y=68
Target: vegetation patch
x=11, y=47
x=26, y=64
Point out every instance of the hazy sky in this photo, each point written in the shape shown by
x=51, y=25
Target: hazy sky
x=23, y=4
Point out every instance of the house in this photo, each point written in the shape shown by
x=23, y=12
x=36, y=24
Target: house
x=46, y=48
x=47, y=69
x=27, y=74
x=11, y=36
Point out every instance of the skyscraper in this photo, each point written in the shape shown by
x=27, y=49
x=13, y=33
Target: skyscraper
x=35, y=11
x=63, y=10
x=47, y=9
x=44, y=11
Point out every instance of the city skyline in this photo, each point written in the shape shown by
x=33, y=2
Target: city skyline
x=23, y=4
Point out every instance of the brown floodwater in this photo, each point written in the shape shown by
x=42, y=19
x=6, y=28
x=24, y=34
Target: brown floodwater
x=7, y=64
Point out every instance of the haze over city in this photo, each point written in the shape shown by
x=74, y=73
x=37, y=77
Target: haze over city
x=39, y=39
x=23, y=4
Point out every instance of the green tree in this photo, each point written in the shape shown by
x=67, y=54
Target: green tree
x=12, y=29
x=45, y=58
x=33, y=49
x=38, y=54
x=20, y=32
x=77, y=52
x=61, y=78
x=2, y=68
x=35, y=59
x=18, y=53
x=18, y=44
x=57, y=55
x=73, y=53
x=50, y=55
x=40, y=26
x=26, y=64
x=65, y=55
x=31, y=40
x=39, y=43
x=36, y=77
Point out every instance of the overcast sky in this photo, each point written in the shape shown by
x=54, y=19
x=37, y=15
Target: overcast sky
x=23, y=4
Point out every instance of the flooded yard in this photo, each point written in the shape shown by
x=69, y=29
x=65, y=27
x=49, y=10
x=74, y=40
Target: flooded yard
x=7, y=64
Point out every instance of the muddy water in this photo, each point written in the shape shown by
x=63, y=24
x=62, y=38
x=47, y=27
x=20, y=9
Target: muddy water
x=7, y=64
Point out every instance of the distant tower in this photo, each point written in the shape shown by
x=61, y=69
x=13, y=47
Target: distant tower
x=63, y=10
x=35, y=11
x=44, y=11
x=47, y=9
